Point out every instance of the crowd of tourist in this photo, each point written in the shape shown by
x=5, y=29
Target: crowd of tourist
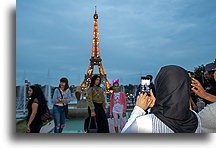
x=171, y=106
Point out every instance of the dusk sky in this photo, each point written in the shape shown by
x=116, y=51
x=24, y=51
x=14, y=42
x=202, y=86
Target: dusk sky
x=136, y=37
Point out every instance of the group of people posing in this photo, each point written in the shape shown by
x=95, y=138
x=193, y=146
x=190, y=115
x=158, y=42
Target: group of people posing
x=167, y=109
x=37, y=106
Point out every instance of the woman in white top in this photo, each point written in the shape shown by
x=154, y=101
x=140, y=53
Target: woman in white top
x=170, y=112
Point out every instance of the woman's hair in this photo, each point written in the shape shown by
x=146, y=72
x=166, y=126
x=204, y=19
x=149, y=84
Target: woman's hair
x=37, y=93
x=65, y=80
x=211, y=73
x=212, y=82
x=116, y=83
x=150, y=76
x=93, y=79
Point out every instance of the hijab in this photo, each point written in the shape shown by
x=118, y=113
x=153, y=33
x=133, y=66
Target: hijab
x=172, y=93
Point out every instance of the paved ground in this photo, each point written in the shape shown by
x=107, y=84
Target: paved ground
x=76, y=125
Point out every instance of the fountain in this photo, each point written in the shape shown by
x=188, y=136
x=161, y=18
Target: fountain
x=135, y=89
x=47, y=91
x=78, y=107
x=21, y=104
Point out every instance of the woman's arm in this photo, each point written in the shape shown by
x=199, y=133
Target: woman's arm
x=210, y=97
x=137, y=112
x=89, y=94
x=69, y=98
x=111, y=104
x=104, y=102
x=143, y=102
x=55, y=97
x=199, y=90
x=125, y=103
x=32, y=116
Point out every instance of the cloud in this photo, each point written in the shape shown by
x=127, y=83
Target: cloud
x=135, y=37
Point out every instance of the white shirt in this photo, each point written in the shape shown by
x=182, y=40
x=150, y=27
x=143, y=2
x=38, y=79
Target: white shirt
x=208, y=118
x=117, y=108
x=141, y=123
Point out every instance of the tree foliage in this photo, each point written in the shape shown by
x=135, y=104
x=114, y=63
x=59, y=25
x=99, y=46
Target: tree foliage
x=198, y=71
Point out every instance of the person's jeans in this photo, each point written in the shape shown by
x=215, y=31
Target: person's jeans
x=59, y=118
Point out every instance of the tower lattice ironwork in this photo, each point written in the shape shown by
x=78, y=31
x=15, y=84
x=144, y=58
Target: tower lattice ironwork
x=95, y=59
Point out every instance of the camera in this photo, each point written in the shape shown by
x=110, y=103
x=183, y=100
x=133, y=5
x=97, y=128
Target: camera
x=145, y=85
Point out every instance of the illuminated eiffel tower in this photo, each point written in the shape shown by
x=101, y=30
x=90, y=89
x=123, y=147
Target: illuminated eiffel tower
x=95, y=58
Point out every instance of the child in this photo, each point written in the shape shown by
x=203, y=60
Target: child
x=118, y=106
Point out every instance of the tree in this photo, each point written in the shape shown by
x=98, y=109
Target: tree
x=198, y=71
x=129, y=89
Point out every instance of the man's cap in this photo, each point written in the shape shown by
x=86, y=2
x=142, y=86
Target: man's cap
x=210, y=66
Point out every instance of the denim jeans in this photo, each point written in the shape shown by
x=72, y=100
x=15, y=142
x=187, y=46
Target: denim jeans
x=59, y=118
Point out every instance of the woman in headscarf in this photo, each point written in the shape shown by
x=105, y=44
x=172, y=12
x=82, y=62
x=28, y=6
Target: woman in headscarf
x=170, y=112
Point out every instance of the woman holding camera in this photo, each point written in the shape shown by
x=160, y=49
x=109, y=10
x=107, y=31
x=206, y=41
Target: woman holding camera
x=97, y=105
x=170, y=111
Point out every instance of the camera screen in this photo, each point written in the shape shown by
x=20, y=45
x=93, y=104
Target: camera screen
x=145, y=82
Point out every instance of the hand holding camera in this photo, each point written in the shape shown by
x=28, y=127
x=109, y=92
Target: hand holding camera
x=145, y=101
x=145, y=85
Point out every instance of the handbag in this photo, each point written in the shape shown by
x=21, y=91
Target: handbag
x=46, y=116
x=47, y=128
x=65, y=105
x=92, y=130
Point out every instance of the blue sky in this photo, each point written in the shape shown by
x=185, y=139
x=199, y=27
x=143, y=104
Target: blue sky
x=136, y=37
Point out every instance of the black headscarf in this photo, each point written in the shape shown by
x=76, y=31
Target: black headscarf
x=172, y=93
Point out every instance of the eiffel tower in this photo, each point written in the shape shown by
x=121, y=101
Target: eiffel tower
x=95, y=59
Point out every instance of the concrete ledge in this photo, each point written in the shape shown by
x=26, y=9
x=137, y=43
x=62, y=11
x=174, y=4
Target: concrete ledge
x=78, y=113
x=81, y=112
